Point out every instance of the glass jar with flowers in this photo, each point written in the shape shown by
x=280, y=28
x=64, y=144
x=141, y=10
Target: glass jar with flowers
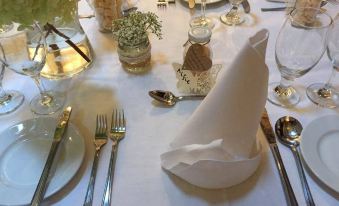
x=134, y=48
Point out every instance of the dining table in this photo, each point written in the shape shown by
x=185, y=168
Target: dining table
x=139, y=178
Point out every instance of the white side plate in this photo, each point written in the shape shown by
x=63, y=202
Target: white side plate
x=23, y=152
x=320, y=149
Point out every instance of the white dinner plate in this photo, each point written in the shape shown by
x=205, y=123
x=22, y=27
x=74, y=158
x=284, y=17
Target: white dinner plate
x=320, y=149
x=207, y=2
x=24, y=148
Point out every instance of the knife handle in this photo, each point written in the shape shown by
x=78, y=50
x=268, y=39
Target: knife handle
x=289, y=193
x=42, y=185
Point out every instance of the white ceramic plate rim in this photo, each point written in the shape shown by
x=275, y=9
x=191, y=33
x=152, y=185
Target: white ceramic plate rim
x=207, y=2
x=76, y=163
x=309, y=148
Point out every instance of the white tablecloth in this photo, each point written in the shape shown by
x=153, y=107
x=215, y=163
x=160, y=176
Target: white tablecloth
x=139, y=179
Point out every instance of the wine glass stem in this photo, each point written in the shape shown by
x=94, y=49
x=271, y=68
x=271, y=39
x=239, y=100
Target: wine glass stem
x=203, y=9
x=45, y=97
x=3, y=95
x=328, y=84
x=284, y=89
x=285, y=83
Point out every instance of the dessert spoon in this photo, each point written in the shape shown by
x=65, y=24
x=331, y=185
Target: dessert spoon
x=169, y=99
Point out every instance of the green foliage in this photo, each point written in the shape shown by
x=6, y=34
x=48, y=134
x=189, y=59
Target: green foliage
x=133, y=29
x=26, y=12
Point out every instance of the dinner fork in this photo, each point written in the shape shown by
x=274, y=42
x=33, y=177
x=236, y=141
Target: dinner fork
x=117, y=133
x=100, y=140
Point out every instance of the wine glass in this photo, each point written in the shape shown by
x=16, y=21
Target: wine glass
x=300, y=45
x=202, y=20
x=25, y=53
x=324, y=94
x=9, y=100
x=233, y=17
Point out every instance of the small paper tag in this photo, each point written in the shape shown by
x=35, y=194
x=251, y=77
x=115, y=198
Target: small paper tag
x=197, y=58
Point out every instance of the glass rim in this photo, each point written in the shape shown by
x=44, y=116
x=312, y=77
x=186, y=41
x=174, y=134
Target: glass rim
x=290, y=16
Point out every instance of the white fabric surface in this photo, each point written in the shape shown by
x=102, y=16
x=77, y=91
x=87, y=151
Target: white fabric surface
x=139, y=179
x=212, y=150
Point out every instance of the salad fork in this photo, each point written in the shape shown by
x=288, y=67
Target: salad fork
x=100, y=140
x=117, y=133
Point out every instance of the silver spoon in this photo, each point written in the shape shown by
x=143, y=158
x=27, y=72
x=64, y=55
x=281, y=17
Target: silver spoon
x=288, y=130
x=170, y=99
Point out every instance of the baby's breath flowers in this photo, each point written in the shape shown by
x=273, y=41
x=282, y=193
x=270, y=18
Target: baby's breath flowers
x=27, y=12
x=134, y=28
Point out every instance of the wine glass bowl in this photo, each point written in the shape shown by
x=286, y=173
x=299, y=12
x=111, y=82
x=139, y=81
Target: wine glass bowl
x=324, y=94
x=25, y=52
x=10, y=100
x=300, y=45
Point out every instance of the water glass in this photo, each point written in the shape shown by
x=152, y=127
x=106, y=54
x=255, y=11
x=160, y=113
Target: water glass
x=300, y=45
x=25, y=52
x=324, y=94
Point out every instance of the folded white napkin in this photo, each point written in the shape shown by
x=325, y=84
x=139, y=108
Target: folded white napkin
x=217, y=147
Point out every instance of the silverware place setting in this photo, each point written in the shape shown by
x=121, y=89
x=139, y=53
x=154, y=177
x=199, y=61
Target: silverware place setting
x=271, y=139
x=100, y=139
x=116, y=134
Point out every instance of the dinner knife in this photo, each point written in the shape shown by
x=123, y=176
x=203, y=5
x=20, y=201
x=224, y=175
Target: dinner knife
x=270, y=136
x=57, y=139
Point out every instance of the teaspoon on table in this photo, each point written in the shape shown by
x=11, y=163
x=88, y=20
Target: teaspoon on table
x=288, y=130
x=169, y=99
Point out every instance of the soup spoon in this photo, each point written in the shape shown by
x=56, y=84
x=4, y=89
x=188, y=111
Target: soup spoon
x=288, y=130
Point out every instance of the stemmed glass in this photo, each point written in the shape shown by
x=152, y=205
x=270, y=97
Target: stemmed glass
x=324, y=94
x=300, y=45
x=233, y=17
x=25, y=53
x=9, y=100
x=202, y=20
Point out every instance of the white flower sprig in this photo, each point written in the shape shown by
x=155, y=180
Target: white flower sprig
x=27, y=12
x=134, y=28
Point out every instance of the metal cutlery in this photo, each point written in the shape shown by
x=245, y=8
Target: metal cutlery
x=57, y=139
x=169, y=99
x=288, y=130
x=164, y=3
x=268, y=131
x=117, y=133
x=100, y=140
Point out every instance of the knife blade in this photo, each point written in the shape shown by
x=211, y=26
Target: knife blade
x=267, y=128
x=270, y=136
x=57, y=139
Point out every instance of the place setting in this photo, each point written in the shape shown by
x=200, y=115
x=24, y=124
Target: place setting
x=81, y=146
